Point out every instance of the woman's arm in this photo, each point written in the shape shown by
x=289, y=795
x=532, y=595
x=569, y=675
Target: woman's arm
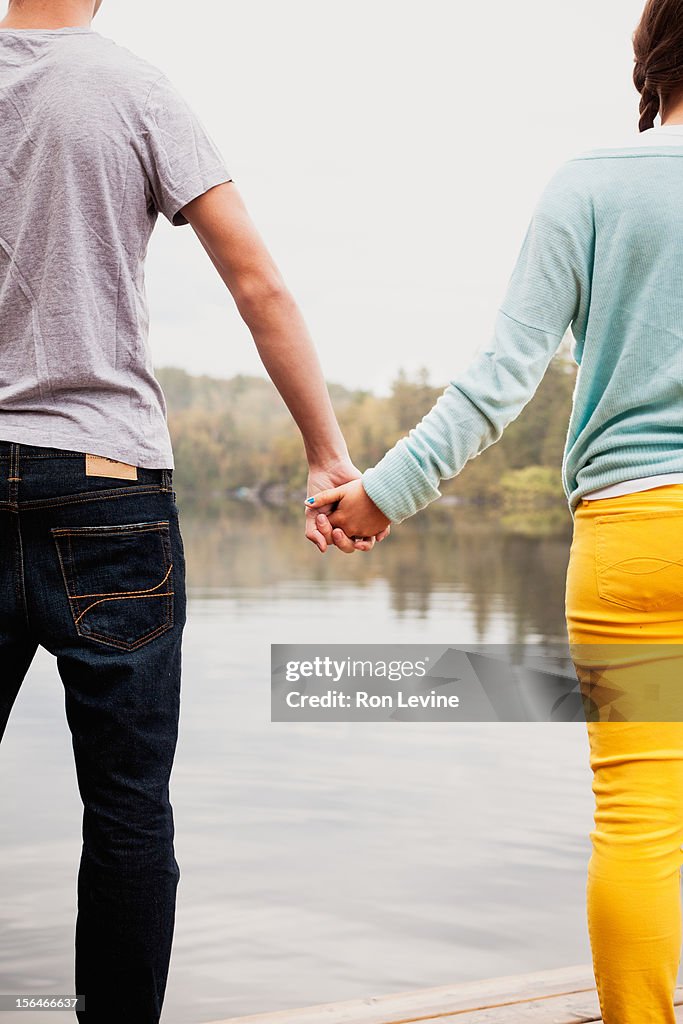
x=549, y=289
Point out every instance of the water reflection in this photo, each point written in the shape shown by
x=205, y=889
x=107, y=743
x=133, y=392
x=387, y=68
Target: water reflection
x=326, y=861
x=467, y=552
x=470, y=553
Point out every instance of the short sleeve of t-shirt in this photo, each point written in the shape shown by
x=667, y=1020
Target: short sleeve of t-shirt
x=181, y=159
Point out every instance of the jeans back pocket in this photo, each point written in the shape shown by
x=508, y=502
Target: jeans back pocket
x=639, y=559
x=118, y=580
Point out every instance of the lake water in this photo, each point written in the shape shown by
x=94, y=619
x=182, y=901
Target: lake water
x=332, y=861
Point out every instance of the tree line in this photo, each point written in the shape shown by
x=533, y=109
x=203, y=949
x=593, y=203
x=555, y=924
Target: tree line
x=234, y=438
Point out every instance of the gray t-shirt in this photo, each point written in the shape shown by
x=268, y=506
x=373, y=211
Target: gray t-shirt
x=94, y=142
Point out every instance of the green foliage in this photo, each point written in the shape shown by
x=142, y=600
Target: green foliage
x=410, y=400
x=540, y=481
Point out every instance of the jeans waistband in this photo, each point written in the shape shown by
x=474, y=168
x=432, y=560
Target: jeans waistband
x=16, y=453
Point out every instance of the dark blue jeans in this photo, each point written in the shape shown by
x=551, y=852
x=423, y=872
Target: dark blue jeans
x=93, y=569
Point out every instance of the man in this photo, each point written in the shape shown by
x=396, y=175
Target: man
x=95, y=143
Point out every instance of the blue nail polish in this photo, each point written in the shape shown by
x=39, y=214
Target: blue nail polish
x=310, y=501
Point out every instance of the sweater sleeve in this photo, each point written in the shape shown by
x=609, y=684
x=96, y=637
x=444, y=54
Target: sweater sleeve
x=547, y=291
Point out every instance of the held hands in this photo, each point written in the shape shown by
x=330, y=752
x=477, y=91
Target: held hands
x=345, y=516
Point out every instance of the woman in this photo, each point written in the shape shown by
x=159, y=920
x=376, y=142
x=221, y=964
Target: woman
x=603, y=255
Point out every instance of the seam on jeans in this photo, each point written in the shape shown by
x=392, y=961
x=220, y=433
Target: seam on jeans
x=596, y=556
x=594, y=958
x=56, y=455
x=104, y=639
x=84, y=496
x=16, y=568
x=624, y=517
x=111, y=528
x=22, y=573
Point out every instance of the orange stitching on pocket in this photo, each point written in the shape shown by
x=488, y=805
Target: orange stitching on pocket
x=127, y=593
x=65, y=534
x=122, y=597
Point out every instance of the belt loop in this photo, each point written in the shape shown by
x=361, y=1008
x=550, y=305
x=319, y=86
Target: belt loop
x=13, y=472
x=167, y=479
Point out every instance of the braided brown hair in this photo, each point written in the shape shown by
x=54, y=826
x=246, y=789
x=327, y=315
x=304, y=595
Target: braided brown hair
x=658, y=56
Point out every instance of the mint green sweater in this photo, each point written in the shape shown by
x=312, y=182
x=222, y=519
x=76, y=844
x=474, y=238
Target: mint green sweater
x=603, y=255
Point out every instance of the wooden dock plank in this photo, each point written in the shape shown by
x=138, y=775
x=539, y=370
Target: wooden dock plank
x=563, y=995
x=554, y=1010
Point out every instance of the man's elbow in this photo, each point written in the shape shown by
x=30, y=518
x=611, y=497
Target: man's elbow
x=261, y=296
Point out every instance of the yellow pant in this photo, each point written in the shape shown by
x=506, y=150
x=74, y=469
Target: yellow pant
x=625, y=586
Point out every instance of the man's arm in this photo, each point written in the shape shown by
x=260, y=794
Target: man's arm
x=227, y=233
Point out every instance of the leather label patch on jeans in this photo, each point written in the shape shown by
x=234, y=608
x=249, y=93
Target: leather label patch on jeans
x=99, y=465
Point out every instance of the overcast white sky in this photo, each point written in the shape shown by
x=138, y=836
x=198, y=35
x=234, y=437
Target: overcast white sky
x=390, y=153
